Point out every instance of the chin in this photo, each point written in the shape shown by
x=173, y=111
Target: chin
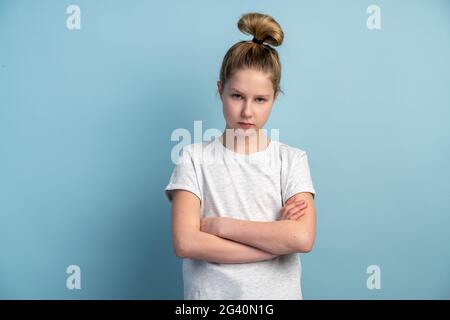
x=239, y=132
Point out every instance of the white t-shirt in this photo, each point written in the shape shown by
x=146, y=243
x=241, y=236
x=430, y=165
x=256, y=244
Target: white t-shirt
x=249, y=187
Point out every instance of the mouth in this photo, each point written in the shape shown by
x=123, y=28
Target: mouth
x=245, y=125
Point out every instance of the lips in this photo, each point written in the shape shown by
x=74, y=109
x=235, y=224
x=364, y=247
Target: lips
x=244, y=125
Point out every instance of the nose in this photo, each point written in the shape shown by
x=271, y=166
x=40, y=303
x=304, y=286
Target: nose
x=247, y=110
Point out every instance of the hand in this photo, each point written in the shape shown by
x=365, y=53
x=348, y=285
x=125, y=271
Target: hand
x=211, y=225
x=293, y=209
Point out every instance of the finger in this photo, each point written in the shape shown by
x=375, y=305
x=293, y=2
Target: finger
x=299, y=206
x=297, y=215
x=203, y=224
x=295, y=210
x=288, y=207
x=293, y=204
x=292, y=199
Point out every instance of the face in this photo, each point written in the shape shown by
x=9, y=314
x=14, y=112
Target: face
x=247, y=97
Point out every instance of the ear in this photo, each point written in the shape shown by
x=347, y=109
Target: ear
x=220, y=87
x=276, y=95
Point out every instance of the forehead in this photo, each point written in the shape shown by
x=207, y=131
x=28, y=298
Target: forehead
x=251, y=81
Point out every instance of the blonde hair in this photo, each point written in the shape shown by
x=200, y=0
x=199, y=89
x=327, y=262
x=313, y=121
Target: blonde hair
x=252, y=55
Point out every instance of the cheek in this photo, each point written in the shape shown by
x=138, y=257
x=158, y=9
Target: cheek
x=228, y=112
x=230, y=108
x=263, y=114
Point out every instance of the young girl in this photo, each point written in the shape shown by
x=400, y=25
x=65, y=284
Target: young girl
x=243, y=204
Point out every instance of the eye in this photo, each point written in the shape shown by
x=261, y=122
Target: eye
x=260, y=100
x=236, y=96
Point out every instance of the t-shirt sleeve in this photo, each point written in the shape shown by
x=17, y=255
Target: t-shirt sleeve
x=184, y=176
x=298, y=177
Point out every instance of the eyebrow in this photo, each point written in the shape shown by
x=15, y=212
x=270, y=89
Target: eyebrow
x=259, y=95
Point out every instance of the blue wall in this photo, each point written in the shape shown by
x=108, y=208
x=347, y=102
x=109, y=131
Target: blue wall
x=86, y=117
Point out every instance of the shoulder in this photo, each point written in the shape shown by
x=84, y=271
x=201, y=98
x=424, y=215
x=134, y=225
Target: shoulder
x=196, y=148
x=289, y=152
x=195, y=151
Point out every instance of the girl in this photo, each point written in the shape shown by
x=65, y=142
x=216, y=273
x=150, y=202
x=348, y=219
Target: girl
x=243, y=204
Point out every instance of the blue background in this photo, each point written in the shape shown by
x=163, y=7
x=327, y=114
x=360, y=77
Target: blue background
x=86, y=118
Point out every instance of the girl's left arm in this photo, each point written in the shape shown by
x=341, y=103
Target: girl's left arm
x=277, y=237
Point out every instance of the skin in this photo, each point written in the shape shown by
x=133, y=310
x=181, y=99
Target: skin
x=247, y=96
x=276, y=237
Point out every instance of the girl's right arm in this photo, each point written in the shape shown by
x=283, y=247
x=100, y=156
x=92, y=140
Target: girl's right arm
x=190, y=242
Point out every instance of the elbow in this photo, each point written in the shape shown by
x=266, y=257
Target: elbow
x=180, y=253
x=185, y=245
x=307, y=247
x=181, y=249
x=305, y=244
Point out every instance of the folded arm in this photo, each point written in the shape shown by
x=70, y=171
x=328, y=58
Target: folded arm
x=277, y=237
x=190, y=242
x=205, y=246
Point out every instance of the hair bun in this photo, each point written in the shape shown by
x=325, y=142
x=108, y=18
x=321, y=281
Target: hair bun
x=261, y=26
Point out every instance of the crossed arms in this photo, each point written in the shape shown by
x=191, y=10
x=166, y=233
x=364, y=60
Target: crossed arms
x=227, y=240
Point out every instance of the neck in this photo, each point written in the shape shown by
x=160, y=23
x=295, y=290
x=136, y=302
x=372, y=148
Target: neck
x=245, y=144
